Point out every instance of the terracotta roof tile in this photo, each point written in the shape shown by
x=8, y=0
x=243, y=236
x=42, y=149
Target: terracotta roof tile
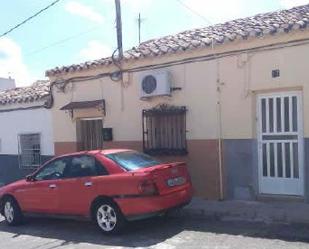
x=255, y=26
x=37, y=91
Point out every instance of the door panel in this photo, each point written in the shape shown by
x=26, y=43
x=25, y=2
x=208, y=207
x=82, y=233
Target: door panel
x=80, y=188
x=76, y=195
x=280, y=138
x=90, y=134
x=40, y=196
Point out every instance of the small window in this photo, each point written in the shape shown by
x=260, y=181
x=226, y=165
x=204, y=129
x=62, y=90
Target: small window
x=29, y=147
x=164, y=130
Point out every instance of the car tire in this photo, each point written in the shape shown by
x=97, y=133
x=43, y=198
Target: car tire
x=109, y=217
x=12, y=212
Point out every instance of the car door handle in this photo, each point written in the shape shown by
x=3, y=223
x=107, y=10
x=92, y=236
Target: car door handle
x=88, y=184
x=52, y=186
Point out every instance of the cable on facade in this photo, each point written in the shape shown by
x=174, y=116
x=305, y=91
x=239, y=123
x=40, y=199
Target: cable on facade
x=185, y=61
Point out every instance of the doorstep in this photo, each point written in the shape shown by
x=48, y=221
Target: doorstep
x=253, y=211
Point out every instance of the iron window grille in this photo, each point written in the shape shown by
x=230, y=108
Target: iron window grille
x=164, y=130
x=29, y=150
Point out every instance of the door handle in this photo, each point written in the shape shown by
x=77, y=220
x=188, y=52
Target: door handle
x=88, y=184
x=52, y=186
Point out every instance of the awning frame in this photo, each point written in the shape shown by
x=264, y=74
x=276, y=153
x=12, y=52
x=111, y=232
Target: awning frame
x=76, y=105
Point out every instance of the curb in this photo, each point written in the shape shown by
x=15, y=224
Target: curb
x=249, y=211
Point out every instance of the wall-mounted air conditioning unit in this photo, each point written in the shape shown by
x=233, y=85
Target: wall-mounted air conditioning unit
x=155, y=83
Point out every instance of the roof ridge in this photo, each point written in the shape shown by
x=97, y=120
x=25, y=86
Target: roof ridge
x=256, y=26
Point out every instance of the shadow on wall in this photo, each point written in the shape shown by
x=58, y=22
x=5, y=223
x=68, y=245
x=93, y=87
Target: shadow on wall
x=10, y=171
x=241, y=165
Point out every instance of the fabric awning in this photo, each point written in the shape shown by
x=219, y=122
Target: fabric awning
x=84, y=105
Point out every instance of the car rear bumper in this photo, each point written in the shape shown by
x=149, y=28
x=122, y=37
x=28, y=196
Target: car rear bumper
x=143, y=207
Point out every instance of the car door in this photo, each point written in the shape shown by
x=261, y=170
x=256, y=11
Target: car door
x=41, y=195
x=79, y=188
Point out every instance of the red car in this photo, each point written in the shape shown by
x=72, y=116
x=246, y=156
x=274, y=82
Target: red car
x=109, y=187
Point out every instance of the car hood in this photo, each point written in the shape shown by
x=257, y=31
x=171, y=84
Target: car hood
x=12, y=185
x=17, y=183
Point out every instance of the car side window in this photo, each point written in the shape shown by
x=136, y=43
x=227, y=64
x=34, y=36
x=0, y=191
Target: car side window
x=102, y=171
x=85, y=165
x=54, y=170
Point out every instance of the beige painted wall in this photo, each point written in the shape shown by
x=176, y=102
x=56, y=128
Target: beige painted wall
x=242, y=83
x=241, y=77
x=198, y=94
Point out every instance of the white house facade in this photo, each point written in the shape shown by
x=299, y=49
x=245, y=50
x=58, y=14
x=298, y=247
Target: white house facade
x=26, y=137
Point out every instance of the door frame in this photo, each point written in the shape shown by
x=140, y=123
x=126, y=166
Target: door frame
x=300, y=121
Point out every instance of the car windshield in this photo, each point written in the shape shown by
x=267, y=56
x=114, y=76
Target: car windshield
x=132, y=160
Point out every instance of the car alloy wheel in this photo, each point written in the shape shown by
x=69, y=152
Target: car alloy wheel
x=9, y=211
x=106, y=217
x=12, y=212
x=109, y=217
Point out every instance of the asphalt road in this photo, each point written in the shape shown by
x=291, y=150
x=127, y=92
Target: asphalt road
x=168, y=233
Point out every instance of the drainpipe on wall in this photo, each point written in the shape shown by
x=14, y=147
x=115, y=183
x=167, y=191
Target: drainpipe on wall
x=219, y=121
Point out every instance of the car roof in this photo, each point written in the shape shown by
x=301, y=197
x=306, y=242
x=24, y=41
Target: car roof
x=93, y=152
x=112, y=151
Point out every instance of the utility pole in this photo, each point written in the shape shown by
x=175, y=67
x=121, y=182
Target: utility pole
x=120, y=50
x=139, y=28
x=139, y=22
x=119, y=29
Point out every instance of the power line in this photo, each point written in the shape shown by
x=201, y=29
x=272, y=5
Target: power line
x=61, y=41
x=29, y=18
x=194, y=12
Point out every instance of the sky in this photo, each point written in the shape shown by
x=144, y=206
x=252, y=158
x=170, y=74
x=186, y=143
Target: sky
x=74, y=31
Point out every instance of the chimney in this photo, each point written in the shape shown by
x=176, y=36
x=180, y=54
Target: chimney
x=7, y=83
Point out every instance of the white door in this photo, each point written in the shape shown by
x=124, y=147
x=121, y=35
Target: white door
x=280, y=144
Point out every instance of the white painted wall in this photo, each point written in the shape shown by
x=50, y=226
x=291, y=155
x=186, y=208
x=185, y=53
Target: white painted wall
x=22, y=122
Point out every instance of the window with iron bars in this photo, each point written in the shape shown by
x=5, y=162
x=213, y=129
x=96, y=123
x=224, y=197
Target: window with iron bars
x=164, y=130
x=29, y=150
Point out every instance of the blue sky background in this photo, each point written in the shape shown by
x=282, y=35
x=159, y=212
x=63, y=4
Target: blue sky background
x=78, y=30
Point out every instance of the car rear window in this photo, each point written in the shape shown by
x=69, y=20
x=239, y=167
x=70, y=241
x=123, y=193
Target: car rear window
x=132, y=160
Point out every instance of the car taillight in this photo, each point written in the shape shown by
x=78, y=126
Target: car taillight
x=148, y=187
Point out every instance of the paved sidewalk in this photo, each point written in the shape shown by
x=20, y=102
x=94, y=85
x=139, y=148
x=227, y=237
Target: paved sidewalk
x=267, y=212
x=156, y=233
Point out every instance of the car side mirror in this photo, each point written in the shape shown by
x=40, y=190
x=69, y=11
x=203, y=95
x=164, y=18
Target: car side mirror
x=29, y=178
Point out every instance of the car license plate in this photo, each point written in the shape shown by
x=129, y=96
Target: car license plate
x=176, y=181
